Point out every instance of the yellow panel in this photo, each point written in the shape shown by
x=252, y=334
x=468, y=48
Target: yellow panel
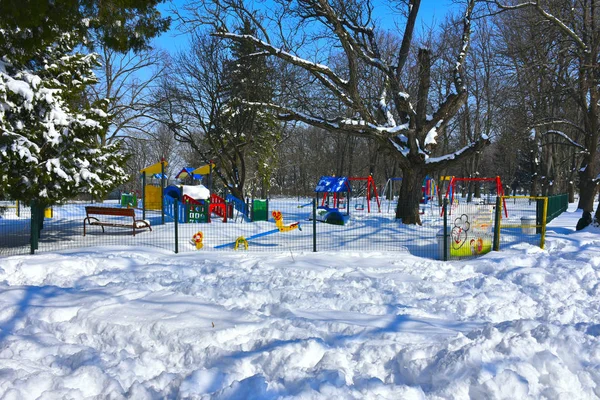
x=204, y=170
x=153, y=169
x=153, y=197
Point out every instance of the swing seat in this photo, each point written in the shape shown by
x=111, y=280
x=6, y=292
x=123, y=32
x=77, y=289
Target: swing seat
x=359, y=207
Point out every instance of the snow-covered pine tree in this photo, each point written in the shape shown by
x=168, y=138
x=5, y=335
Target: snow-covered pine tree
x=49, y=150
x=249, y=78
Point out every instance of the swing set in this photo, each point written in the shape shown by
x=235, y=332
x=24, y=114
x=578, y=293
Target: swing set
x=452, y=189
x=369, y=187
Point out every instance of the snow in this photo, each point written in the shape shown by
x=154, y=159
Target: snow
x=140, y=322
x=198, y=192
x=431, y=136
x=19, y=87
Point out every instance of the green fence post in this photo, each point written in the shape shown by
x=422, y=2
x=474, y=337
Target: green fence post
x=497, y=219
x=35, y=231
x=539, y=209
x=176, y=215
x=445, y=229
x=162, y=191
x=314, y=209
x=544, y=217
x=143, y=195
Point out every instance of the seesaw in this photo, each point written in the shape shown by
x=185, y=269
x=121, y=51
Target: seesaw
x=280, y=228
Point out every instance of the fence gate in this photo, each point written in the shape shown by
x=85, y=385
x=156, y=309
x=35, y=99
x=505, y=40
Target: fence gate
x=523, y=220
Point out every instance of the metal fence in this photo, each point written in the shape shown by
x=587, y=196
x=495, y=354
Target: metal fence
x=557, y=204
x=276, y=225
x=522, y=220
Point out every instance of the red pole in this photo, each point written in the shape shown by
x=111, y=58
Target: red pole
x=368, y=195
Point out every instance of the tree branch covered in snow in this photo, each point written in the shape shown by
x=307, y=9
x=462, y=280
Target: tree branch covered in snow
x=338, y=96
x=47, y=140
x=547, y=16
x=567, y=138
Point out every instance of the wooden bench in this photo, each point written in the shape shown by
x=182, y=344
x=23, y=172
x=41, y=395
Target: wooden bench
x=119, y=212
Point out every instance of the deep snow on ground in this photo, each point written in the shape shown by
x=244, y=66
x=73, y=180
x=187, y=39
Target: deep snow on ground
x=142, y=323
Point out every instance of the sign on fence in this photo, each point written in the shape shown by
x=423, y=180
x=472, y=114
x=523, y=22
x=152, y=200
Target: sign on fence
x=471, y=230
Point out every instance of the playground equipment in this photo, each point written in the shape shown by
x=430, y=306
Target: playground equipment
x=129, y=200
x=194, y=203
x=329, y=185
x=240, y=207
x=240, y=241
x=48, y=212
x=452, y=188
x=331, y=216
x=206, y=170
x=152, y=193
x=390, y=184
x=257, y=210
x=429, y=190
x=281, y=227
x=197, y=240
x=369, y=187
x=187, y=174
x=17, y=207
x=260, y=210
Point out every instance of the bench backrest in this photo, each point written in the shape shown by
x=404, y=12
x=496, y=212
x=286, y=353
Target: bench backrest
x=126, y=212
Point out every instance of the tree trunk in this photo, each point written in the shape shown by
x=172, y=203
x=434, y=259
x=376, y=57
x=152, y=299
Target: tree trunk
x=237, y=192
x=470, y=192
x=410, y=195
x=571, y=192
x=477, y=194
x=587, y=191
x=587, y=184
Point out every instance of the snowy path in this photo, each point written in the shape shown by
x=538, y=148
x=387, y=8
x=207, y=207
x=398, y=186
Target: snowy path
x=145, y=323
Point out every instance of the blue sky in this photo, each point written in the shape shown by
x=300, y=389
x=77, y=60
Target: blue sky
x=431, y=13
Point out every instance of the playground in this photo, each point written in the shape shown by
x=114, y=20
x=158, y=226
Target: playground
x=182, y=213
x=249, y=304
x=119, y=318
x=361, y=231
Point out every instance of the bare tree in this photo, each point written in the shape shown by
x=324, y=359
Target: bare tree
x=128, y=81
x=197, y=104
x=577, y=24
x=405, y=125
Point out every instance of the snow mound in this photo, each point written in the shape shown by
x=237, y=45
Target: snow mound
x=144, y=323
x=198, y=192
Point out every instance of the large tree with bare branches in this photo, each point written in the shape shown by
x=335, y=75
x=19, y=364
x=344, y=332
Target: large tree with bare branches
x=306, y=35
x=575, y=25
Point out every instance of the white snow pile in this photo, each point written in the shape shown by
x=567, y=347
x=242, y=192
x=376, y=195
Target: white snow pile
x=146, y=324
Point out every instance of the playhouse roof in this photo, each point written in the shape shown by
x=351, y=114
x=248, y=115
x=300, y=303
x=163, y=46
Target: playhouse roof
x=333, y=184
x=205, y=169
x=153, y=169
x=184, y=173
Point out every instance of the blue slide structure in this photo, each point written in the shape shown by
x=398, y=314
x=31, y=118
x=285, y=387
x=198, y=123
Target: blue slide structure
x=336, y=186
x=331, y=216
x=239, y=205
